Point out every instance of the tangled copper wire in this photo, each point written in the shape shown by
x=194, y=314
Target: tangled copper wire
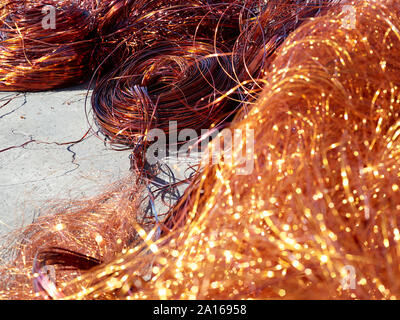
x=89, y=31
x=125, y=112
x=321, y=205
x=65, y=231
x=170, y=81
x=34, y=58
x=126, y=26
x=320, y=201
x=256, y=46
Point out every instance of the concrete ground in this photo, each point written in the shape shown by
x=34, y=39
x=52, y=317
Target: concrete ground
x=42, y=162
x=35, y=168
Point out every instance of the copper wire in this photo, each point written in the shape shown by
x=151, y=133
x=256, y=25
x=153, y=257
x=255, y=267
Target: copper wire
x=33, y=58
x=170, y=81
x=322, y=198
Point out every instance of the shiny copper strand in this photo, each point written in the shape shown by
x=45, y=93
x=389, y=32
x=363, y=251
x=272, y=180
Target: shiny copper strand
x=323, y=194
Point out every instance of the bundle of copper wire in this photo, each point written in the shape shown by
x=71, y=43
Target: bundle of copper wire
x=315, y=218
x=174, y=64
x=169, y=39
x=169, y=81
x=33, y=55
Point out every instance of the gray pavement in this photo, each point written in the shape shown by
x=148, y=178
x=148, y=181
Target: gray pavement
x=42, y=171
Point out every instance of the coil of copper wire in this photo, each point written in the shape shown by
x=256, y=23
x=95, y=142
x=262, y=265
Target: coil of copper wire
x=264, y=32
x=44, y=44
x=169, y=81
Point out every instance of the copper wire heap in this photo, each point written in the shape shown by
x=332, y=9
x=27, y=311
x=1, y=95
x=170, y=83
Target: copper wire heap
x=127, y=26
x=91, y=34
x=315, y=218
